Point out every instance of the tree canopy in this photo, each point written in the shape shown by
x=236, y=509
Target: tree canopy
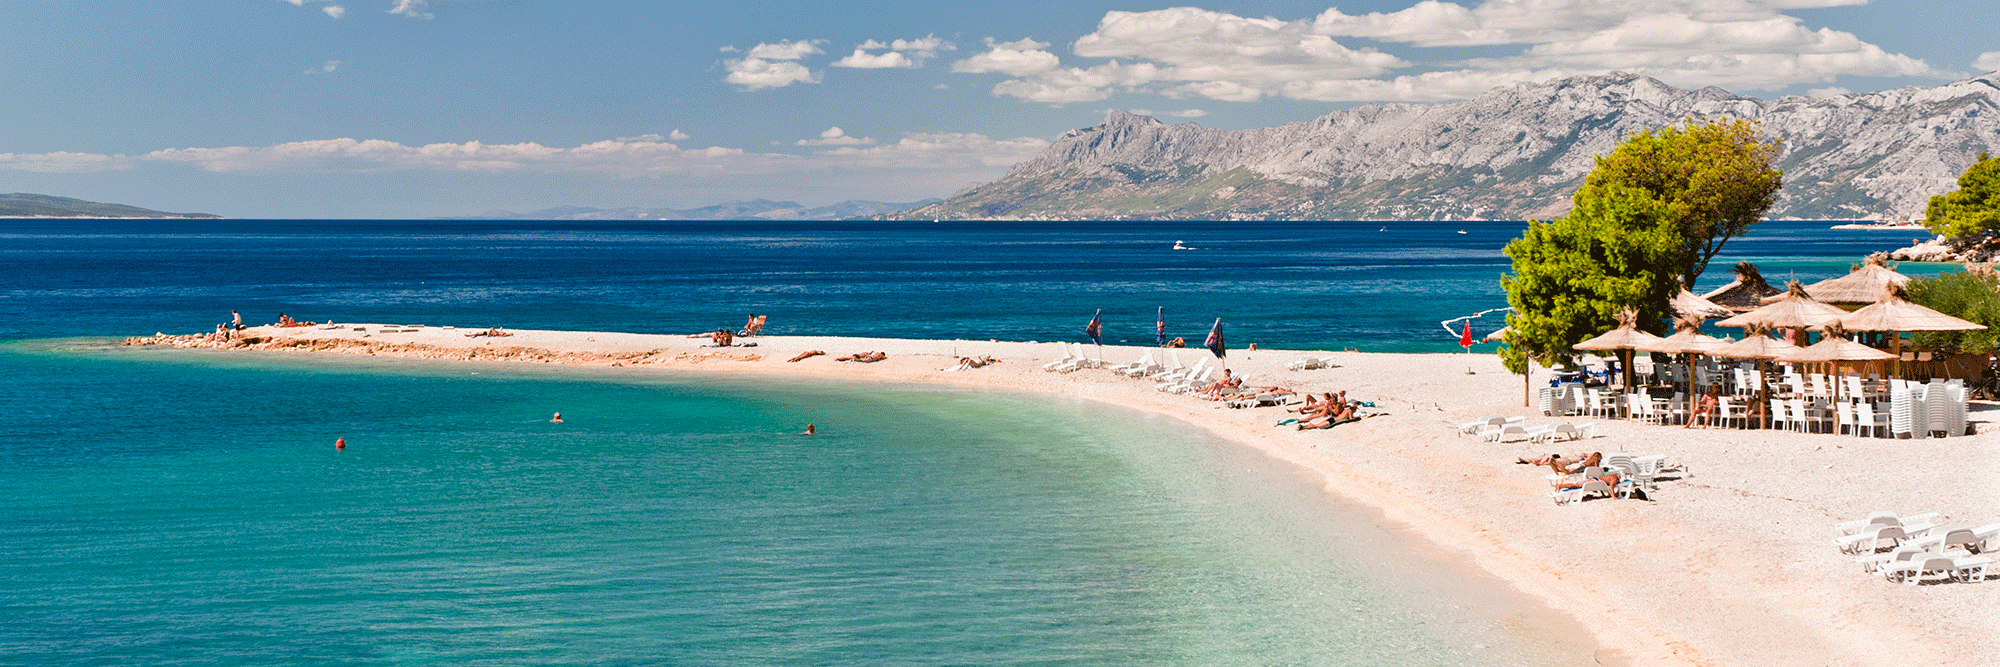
x=1973, y=210
x=1973, y=294
x=1720, y=175
x=1619, y=247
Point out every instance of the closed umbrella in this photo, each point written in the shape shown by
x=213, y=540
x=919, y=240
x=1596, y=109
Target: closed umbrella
x=1214, y=342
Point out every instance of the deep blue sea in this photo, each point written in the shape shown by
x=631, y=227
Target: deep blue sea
x=187, y=507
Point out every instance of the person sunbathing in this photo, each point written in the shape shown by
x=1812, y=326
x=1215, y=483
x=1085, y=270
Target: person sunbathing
x=808, y=354
x=864, y=357
x=1574, y=467
x=1177, y=342
x=723, y=338
x=1552, y=458
x=1610, y=479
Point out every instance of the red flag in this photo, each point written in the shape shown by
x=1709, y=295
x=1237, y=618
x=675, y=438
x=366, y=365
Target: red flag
x=1465, y=341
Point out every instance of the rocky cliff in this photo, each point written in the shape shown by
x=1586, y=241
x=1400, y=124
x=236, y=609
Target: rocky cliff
x=1512, y=153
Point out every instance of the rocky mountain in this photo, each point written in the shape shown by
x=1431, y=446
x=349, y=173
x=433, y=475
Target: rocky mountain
x=755, y=209
x=1512, y=153
x=25, y=205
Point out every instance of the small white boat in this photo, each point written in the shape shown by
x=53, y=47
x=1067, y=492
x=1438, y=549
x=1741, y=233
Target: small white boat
x=1180, y=245
x=1461, y=231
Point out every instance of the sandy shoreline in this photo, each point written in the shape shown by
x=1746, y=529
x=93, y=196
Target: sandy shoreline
x=1733, y=566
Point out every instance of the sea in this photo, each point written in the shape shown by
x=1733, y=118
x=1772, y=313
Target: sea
x=188, y=507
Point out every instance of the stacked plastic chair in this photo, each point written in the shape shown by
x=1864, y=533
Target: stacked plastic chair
x=1908, y=415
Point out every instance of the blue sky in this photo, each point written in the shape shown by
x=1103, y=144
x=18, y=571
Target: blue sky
x=414, y=108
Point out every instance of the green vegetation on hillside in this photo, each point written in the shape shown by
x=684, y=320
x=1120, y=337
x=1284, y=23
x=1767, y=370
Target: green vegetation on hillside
x=24, y=205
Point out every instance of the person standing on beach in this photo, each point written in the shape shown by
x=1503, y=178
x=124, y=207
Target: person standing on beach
x=236, y=320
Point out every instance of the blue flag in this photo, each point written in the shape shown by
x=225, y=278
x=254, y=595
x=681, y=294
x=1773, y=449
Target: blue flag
x=1096, y=329
x=1160, y=328
x=1214, y=342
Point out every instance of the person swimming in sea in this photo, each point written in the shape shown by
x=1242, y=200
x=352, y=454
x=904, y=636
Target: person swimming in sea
x=557, y=419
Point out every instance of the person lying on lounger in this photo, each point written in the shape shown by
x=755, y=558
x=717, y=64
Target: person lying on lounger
x=808, y=354
x=1574, y=467
x=1558, y=459
x=1610, y=479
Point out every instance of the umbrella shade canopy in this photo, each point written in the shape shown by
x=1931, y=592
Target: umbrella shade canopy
x=1626, y=336
x=1687, y=305
x=1756, y=347
x=1794, y=311
x=1835, y=348
x=1746, y=293
x=1861, y=286
x=1692, y=341
x=1895, y=313
x=1498, y=334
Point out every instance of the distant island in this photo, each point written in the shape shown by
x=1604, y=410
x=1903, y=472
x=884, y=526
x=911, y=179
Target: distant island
x=755, y=209
x=26, y=205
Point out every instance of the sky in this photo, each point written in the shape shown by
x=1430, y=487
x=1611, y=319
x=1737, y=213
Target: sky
x=440, y=108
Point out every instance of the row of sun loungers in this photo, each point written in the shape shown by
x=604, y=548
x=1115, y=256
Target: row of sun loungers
x=1502, y=429
x=1917, y=548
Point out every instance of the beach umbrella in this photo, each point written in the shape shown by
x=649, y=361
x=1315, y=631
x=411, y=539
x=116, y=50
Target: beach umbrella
x=1498, y=334
x=1756, y=344
x=1688, y=339
x=1214, y=342
x=1796, y=310
x=1894, y=313
x=1686, y=304
x=1465, y=339
x=1160, y=328
x=1626, y=336
x=1834, y=347
x=1744, y=294
x=1861, y=286
x=1095, y=330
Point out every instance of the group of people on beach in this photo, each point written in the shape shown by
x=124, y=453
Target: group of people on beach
x=496, y=332
x=1569, y=467
x=1329, y=412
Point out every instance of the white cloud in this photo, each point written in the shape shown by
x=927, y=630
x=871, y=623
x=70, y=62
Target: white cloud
x=63, y=162
x=755, y=73
x=416, y=9
x=335, y=11
x=1832, y=91
x=786, y=50
x=1022, y=58
x=297, y=3
x=927, y=47
x=1987, y=61
x=1189, y=52
x=326, y=68
x=834, y=136
x=1187, y=113
x=677, y=135
x=1738, y=44
x=901, y=53
x=864, y=60
x=916, y=156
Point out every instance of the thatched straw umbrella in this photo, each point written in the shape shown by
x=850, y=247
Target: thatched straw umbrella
x=1686, y=304
x=1761, y=347
x=1689, y=340
x=1625, y=337
x=1835, y=347
x=1893, y=312
x=1746, y=293
x=1861, y=286
x=1795, y=310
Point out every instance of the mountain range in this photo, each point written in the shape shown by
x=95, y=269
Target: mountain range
x=1513, y=153
x=26, y=205
x=755, y=209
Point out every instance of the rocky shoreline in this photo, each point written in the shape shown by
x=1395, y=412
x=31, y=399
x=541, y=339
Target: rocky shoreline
x=1936, y=249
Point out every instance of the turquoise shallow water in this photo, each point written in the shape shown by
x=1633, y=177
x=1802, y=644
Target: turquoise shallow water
x=168, y=507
